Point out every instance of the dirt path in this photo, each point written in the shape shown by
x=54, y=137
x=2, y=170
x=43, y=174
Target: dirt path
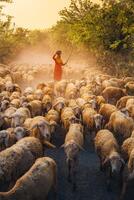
x=91, y=182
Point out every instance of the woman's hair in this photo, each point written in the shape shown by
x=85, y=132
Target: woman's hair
x=58, y=52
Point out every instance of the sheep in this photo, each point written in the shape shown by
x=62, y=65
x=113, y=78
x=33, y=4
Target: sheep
x=72, y=145
x=106, y=110
x=100, y=101
x=17, y=159
x=53, y=118
x=128, y=79
x=60, y=88
x=48, y=91
x=130, y=107
x=128, y=173
x=71, y=91
x=15, y=95
x=2, y=86
x=19, y=117
x=35, y=108
x=4, y=105
x=29, y=186
x=41, y=86
x=88, y=119
x=67, y=115
x=15, y=103
x=113, y=82
x=28, y=91
x=46, y=103
x=121, y=125
x=5, y=95
x=59, y=103
x=7, y=139
x=107, y=149
x=20, y=132
x=121, y=103
x=77, y=110
x=7, y=117
x=38, y=94
x=41, y=129
x=113, y=94
x=9, y=86
x=130, y=88
x=80, y=102
x=30, y=97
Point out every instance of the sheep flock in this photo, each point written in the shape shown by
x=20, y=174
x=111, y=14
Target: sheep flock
x=86, y=110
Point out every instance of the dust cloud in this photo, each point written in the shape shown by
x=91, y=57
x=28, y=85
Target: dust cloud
x=35, y=65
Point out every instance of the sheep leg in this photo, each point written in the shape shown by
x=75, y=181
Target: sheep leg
x=55, y=185
x=69, y=171
x=123, y=191
x=74, y=171
x=108, y=177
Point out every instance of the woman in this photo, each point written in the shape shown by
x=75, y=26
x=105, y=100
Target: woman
x=58, y=66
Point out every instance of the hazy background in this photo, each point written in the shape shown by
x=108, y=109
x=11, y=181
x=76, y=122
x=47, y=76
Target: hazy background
x=37, y=14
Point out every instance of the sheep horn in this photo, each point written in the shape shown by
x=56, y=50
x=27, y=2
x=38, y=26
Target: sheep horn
x=48, y=144
x=80, y=147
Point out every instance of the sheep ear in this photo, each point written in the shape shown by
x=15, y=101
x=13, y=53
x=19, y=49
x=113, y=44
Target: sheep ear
x=123, y=162
x=34, y=126
x=80, y=147
x=49, y=145
x=106, y=162
x=5, y=116
x=62, y=146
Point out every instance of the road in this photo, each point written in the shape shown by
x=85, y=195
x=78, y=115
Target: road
x=91, y=182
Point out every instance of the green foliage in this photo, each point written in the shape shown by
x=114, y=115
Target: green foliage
x=107, y=29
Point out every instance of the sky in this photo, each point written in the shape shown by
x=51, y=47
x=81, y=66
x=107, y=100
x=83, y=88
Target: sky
x=33, y=14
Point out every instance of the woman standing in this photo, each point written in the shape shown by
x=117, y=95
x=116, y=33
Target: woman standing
x=58, y=66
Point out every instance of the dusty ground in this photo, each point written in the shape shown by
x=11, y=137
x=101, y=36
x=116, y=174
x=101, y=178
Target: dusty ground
x=91, y=182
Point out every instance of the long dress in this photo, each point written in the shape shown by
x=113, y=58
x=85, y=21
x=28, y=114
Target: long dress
x=58, y=68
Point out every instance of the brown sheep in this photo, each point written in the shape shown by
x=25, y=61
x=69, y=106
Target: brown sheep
x=19, y=117
x=113, y=94
x=128, y=173
x=106, y=110
x=60, y=88
x=29, y=186
x=38, y=94
x=122, y=101
x=130, y=88
x=71, y=91
x=4, y=105
x=121, y=125
x=46, y=103
x=100, y=101
x=130, y=107
x=48, y=91
x=88, y=118
x=35, y=108
x=15, y=103
x=15, y=95
x=67, y=115
x=80, y=102
x=73, y=144
x=76, y=108
x=16, y=160
x=7, y=138
x=127, y=147
x=108, y=152
x=59, y=103
x=20, y=132
x=54, y=119
x=41, y=86
x=41, y=129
